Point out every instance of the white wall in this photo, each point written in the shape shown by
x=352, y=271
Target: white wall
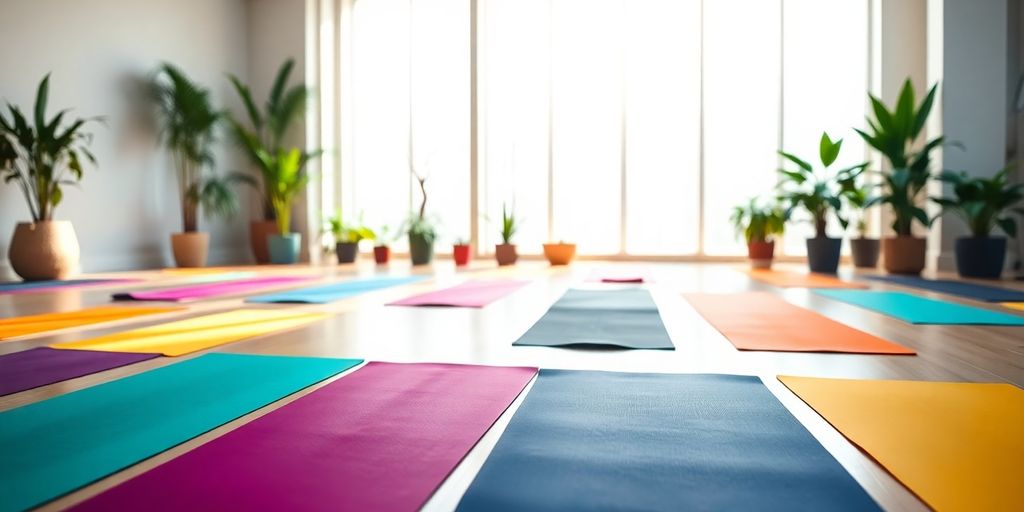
x=125, y=209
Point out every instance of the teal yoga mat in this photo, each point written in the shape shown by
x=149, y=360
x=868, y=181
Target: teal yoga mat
x=334, y=291
x=919, y=310
x=53, y=447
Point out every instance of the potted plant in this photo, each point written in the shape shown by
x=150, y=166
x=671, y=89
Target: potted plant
x=820, y=195
x=505, y=252
x=264, y=144
x=863, y=249
x=347, y=238
x=420, y=229
x=893, y=133
x=759, y=226
x=560, y=253
x=42, y=155
x=381, y=251
x=460, y=252
x=287, y=179
x=984, y=204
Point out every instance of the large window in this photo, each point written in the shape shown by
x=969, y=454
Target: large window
x=628, y=126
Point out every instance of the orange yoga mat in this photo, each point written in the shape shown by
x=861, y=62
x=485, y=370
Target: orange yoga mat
x=1014, y=305
x=35, y=324
x=762, y=321
x=957, y=446
x=785, y=279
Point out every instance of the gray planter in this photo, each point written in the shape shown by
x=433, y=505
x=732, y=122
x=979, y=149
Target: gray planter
x=346, y=251
x=823, y=254
x=865, y=252
x=421, y=250
x=284, y=249
x=980, y=256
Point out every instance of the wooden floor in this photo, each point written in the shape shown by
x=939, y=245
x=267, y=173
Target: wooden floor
x=364, y=328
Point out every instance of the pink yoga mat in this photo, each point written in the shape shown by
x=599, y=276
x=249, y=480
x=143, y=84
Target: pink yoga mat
x=471, y=294
x=207, y=290
x=381, y=439
x=623, y=275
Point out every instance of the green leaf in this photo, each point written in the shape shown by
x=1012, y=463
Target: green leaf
x=55, y=196
x=904, y=118
x=42, y=95
x=279, y=83
x=922, y=112
x=800, y=163
x=828, y=149
x=250, y=105
x=794, y=176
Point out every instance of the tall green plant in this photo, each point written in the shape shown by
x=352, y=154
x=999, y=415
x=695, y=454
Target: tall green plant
x=189, y=122
x=893, y=133
x=419, y=224
x=983, y=203
x=819, y=193
x=44, y=155
x=509, y=224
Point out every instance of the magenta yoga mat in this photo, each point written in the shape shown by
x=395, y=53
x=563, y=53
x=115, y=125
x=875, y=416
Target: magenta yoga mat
x=471, y=294
x=207, y=290
x=383, y=438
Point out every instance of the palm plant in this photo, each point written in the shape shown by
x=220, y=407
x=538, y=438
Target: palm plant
x=983, y=203
x=42, y=156
x=818, y=193
x=758, y=223
x=189, y=123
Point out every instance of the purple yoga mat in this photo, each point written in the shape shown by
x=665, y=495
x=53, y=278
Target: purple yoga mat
x=382, y=439
x=48, y=286
x=41, y=366
x=471, y=294
x=207, y=290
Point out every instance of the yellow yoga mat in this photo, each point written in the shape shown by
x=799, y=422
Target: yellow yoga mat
x=1014, y=305
x=35, y=324
x=957, y=446
x=185, y=336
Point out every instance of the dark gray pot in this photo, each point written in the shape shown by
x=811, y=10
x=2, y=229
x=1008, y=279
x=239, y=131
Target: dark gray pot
x=421, y=250
x=346, y=251
x=865, y=252
x=823, y=254
x=980, y=256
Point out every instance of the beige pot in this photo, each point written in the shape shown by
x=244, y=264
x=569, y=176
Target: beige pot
x=505, y=254
x=44, y=250
x=903, y=254
x=559, y=254
x=190, y=249
x=258, y=232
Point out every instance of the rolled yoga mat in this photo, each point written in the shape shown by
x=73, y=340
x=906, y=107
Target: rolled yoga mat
x=635, y=441
x=471, y=294
x=53, y=447
x=334, y=291
x=383, y=438
x=959, y=288
x=786, y=279
x=29, y=369
x=919, y=310
x=957, y=446
x=210, y=290
x=45, y=286
x=36, y=324
x=762, y=321
x=184, y=336
x=625, y=318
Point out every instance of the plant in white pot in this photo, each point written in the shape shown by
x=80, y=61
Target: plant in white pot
x=984, y=204
x=40, y=156
x=759, y=224
x=189, y=122
x=819, y=193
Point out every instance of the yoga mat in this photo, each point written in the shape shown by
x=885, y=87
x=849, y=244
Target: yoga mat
x=53, y=447
x=334, y=291
x=192, y=334
x=1014, y=305
x=35, y=324
x=383, y=438
x=208, y=290
x=919, y=310
x=619, y=275
x=762, y=321
x=635, y=441
x=625, y=318
x=41, y=366
x=957, y=446
x=471, y=294
x=785, y=279
x=43, y=286
x=958, y=288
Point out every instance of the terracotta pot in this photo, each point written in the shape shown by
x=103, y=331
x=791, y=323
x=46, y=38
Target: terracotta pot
x=903, y=254
x=382, y=254
x=258, y=232
x=761, y=254
x=346, y=251
x=284, y=249
x=44, y=250
x=190, y=249
x=421, y=250
x=505, y=254
x=823, y=254
x=461, y=254
x=980, y=256
x=865, y=252
x=559, y=254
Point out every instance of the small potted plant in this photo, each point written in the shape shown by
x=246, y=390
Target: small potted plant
x=286, y=182
x=347, y=238
x=560, y=253
x=505, y=252
x=863, y=249
x=461, y=252
x=820, y=195
x=893, y=133
x=984, y=204
x=421, y=229
x=40, y=156
x=381, y=251
x=759, y=226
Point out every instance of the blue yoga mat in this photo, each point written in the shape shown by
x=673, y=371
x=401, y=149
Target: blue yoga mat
x=334, y=291
x=53, y=447
x=635, y=441
x=919, y=310
x=958, y=288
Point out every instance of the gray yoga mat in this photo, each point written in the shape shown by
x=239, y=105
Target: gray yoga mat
x=619, y=318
